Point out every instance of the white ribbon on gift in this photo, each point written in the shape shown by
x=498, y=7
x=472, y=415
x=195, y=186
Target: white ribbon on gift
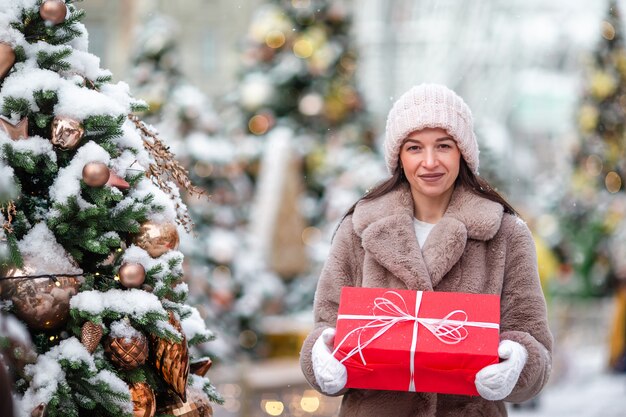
x=451, y=329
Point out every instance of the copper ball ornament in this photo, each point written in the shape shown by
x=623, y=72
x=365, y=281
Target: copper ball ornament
x=41, y=303
x=7, y=59
x=127, y=353
x=157, y=238
x=53, y=11
x=96, y=174
x=144, y=401
x=132, y=275
x=66, y=132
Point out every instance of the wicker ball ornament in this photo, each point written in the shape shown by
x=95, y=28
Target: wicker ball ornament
x=127, y=353
x=132, y=275
x=96, y=174
x=157, y=238
x=53, y=11
x=144, y=401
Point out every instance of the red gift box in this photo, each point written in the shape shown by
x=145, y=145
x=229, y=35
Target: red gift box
x=416, y=341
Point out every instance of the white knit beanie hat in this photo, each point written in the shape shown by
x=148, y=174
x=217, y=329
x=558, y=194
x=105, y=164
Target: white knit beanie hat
x=430, y=105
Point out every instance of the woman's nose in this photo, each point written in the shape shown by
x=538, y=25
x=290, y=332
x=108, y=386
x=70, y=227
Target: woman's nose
x=430, y=158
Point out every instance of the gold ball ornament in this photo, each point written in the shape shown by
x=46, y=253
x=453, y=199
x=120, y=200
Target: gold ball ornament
x=197, y=405
x=96, y=174
x=7, y=59
x=157, y=238
x=53, y=11
x=66, y=132
x=90, y=336
x=41, y=303
x=171, y=359
x=144, y=401
x=127, y=353
x=132, y=275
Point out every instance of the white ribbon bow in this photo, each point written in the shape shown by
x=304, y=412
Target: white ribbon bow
x=450, y=329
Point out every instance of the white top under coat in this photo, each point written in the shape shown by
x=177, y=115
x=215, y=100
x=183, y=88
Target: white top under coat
x=422, y=230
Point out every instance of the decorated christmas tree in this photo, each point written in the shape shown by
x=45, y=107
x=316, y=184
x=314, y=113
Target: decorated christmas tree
x=298, y=92
x=594, y=205
x=88, y=246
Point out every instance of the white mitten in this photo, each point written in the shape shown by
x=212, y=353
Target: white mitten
x=330, y=374
x=495, y=382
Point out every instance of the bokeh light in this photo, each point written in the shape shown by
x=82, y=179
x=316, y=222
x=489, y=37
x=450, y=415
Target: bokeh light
x=273, y=408
x=310, y=404
x=303, y=48
x=613, y=182
x=608, y=31
x=275, y=39
x=259, y=124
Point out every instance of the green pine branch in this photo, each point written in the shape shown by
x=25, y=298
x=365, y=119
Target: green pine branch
x=54, y=61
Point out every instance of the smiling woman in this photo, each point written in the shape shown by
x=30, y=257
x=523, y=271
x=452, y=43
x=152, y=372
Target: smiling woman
x=435, y=225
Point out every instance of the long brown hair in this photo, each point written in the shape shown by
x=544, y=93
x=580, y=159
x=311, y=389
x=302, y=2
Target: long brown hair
x=467, y=178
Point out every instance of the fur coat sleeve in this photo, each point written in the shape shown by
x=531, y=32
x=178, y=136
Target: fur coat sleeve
x=523, y=311
x=340, y=270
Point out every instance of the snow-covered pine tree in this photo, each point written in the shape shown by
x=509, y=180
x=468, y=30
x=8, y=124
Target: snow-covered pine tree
x=88, y=244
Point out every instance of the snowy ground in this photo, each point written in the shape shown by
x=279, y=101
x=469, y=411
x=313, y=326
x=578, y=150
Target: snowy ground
x=581, y=385
x=585, y=390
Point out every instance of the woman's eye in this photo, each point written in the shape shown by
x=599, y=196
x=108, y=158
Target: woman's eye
x=445, y=146
x=413, y=148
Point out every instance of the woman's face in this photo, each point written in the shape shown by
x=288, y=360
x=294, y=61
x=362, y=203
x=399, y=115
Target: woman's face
x=430, y=159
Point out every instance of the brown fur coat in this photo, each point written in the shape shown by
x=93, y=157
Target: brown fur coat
x=474, y=248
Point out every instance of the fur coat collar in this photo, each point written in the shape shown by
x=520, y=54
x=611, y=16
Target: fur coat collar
x=385, y=226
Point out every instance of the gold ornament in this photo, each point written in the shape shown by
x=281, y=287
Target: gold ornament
x=96, y=174
x=7, y=59
x=197, y=405
x=127, y=353
x=132, y=275
x=66, y=132
x=117, y=182
x=171, y=359
x=41, y=303
x=144, y=401
x=201, y=367
x=53, y=11
x=40, y=411
x=90, y=336
x=15, y=131
x=157, y=238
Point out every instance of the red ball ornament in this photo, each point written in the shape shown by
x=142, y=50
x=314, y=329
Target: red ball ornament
x=53, y=11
